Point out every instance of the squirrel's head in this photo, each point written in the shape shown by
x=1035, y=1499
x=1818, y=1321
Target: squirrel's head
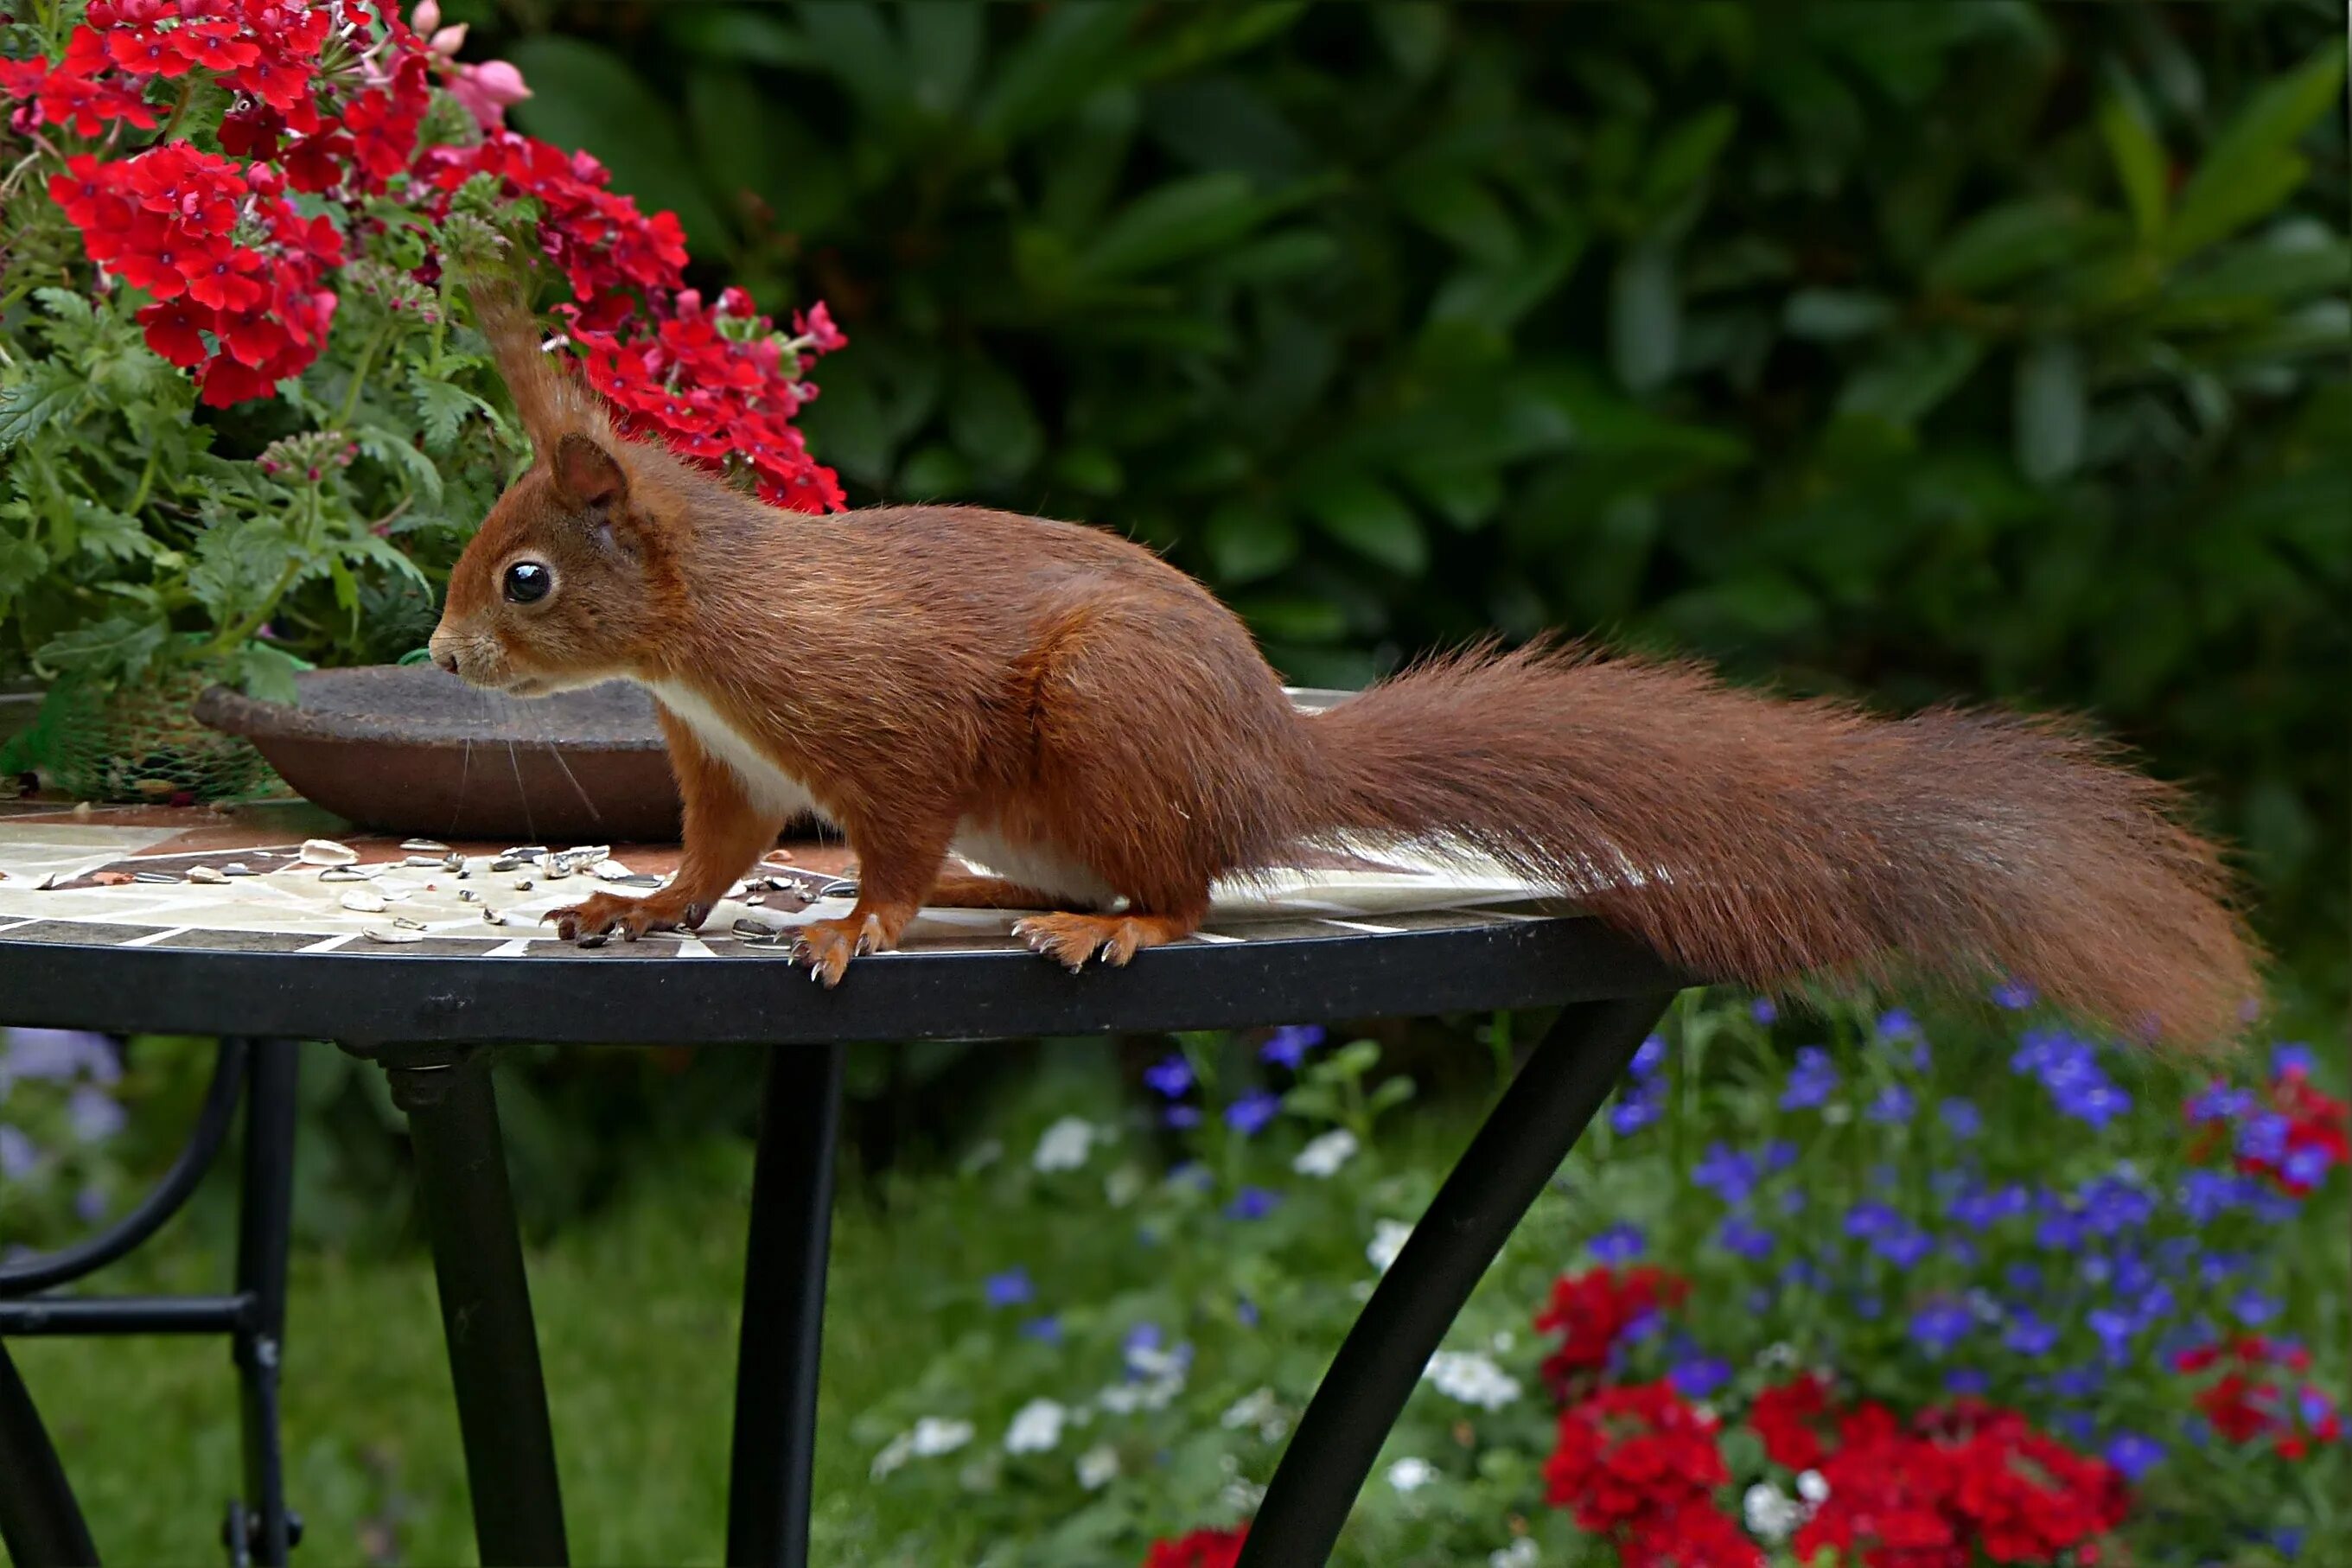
x=567, y=581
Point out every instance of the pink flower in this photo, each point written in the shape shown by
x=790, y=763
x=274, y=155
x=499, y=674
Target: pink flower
x=486, y=89
x=426, y=18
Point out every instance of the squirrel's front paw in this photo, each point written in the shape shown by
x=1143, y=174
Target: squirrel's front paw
x=827, y=946
x=594, y=923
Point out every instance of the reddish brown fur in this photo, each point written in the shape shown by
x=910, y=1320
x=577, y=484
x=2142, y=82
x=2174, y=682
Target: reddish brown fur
x=1070, y=693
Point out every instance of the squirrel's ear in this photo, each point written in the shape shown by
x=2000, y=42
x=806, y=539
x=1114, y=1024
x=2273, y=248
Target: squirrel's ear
x=586, y=474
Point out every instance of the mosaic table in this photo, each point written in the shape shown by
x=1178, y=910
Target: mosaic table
x=266, y=925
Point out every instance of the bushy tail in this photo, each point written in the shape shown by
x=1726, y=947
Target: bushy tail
x=1752, y=840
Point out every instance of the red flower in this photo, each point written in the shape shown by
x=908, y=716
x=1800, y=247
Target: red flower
x=146, y=51
x=1629, y=1454
x=317, y=162
x=1786, y=1418
x=174, y=330
x=2244, y=1405
x=215, y=46
x=1696, y=1535
x=1199, y=1549
x=1592, y=1311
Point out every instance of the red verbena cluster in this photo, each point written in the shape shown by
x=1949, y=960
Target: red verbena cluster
x=2248, y=1402
x=1199, y=1549
x=1962, y=1483
x=329, y=100
x=1639, y=1463
x=2318, y=1135
x=1592, y=1312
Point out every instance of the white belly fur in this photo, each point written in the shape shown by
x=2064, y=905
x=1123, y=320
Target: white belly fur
x=772, y=789
x=1033, y=865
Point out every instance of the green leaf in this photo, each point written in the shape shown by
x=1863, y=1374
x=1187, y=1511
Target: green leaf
x=22, y=562
x=1832, y=315
x=1903, y=384
x=1365, y=515
x=267, y=673
x=1062, y=61
x=1644, y=317
x=118, y=648
x=442, y=407
x=1457, y=208
x=1180, y=219
x=2006, y=244
x=739, y=32
x=49, y=393
x=109, y=535
x=1686, y=155
x=2051, y=410
x=2252, y=166
x=1246, y=542
x=856, y=48
x=1464, y=493
x=1292, y=617
x=2139, y=161
x=1392, y=1092
x=944, y=44
x=1413, y=32
x=237, y=565
x=394, y=450
x=992, y=423
x=584, y=96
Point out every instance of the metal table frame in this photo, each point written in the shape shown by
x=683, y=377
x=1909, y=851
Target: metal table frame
x=431, y=1020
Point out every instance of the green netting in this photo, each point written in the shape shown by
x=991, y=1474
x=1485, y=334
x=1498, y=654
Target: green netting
x=135, y=743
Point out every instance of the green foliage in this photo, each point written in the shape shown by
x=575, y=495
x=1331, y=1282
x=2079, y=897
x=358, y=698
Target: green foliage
x=1905, y=349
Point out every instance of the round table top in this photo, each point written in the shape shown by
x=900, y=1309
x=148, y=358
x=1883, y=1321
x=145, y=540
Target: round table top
x=271, y=919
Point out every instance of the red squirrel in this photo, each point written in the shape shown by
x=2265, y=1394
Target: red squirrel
x=1068, y=709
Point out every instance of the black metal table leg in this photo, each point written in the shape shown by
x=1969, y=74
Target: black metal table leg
x=768, y=1481
x=265, y=1233
x=470, y=1219
x=40, y=1524
x=1521, y=1144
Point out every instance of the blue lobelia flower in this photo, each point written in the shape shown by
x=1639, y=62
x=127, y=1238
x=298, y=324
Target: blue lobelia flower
x=56, y=1055
x=1729, y=1173
x=2263, y=1136
x=1700, y=1376
x=2078, y=1382
x=2220, y=1103
x=2134, y=1454
x=2013, y=994
x=1765, y=1011
x=2114, y=1331
x=2112, y=1205
x=1009, y=1288
x=1937, y=1327
x=1249, y=1115
x=18, y=1152
x=1811, y=1081
x=2206, y=1196
x=1252, y=1203
x=1246, y=1312
x=1288, y=1047
x=1619, y=1244
x=1981, y=1208
x=2290, y=1055
x=1650, y=1057
x=2028, y=1335
x=1046, y=1330
x=1633, y=1112
x=1966, y=1382
x=1182, y=1116
x=1907, y=1246
x=2254, y=1309
x=1742, y=1238
x=93, y=1115
x=2022, y=1277
x=1961, y=1118
x=1870, y=1217
x=2307, y=1166
x=1892, y=1106
x=1170, y=1076
x=1805, y=1273
x=1780, y=1154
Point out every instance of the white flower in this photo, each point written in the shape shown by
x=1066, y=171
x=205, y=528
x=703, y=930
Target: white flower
x=1779, y=1353
x=928, y=1438
x=1410, y=1475
x=984, y=1153
x=1771, y=1513
x=1098, y=1467
x=1325, y=1154
x=1813, y=1488
x=1065, y=1144
x=1242, y=1496
x=1388, y=1240
x=1127, y=1398
x=1472, y=1378
x=1122, y=1186
x=1249, y=1409
x=1519, y=1553
x=1503, y=1341
x=1036, y=1428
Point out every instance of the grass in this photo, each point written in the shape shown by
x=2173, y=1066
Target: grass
x=636, y=1318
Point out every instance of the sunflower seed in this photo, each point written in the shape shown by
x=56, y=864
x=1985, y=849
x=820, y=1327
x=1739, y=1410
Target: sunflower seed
x=366, y=901
x=435, y=861
x=207, y=874
x=153, y=876
x=406, y=924
x=342, y=874
x=609, y=871
x=469, y=895
x=523, y=884
x=523, y=852
x=424, y=846
x=756, y=931
x=236, y=869
x=508, y=863
x=392, y=933
x=327, y=852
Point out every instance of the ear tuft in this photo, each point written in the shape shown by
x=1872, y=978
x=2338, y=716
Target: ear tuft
x=585, y=474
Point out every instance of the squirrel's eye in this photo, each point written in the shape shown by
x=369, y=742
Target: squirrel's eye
x=528, y=582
